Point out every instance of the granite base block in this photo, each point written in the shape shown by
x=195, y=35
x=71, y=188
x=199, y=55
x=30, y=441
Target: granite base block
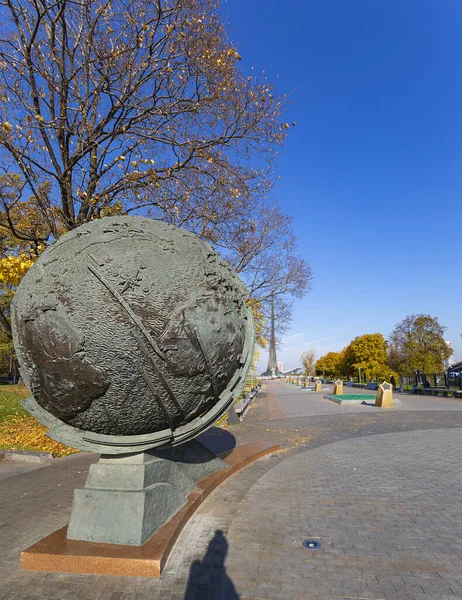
x=127, y=498
x=58, y=553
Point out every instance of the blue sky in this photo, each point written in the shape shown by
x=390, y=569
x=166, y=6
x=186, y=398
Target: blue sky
x=372, y=171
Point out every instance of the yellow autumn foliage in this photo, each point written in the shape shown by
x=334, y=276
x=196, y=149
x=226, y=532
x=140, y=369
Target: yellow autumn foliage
x=259, y=321
x=14, y=267
x=23, y=432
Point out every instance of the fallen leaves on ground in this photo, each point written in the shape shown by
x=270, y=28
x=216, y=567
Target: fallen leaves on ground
x=290, y=438
x=23, y=432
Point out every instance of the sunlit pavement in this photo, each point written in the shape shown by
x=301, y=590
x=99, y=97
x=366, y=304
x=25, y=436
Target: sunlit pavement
x=380, y=489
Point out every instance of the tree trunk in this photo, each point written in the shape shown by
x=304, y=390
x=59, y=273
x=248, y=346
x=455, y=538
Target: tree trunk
x=5, y=325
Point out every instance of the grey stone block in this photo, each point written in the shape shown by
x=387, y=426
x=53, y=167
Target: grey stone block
x=26, y=456
x=127, y=498
x=122, y=517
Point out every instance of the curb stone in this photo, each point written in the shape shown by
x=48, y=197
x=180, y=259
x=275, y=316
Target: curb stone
x=28, y=456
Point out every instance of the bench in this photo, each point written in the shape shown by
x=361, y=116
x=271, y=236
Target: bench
x=241, y=406
x=445, y=392
x=9, y=379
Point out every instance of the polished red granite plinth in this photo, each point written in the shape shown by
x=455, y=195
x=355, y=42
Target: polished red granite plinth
x=58, y=554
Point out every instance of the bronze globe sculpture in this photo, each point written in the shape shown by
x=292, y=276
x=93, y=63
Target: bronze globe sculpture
x=131, y=334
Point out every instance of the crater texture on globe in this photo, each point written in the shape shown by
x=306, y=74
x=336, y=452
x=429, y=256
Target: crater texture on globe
x=129, y=326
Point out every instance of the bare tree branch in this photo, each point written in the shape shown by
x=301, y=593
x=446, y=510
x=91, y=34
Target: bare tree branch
x=135, y=106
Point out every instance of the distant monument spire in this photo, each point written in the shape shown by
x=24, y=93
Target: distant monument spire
x=272, y=368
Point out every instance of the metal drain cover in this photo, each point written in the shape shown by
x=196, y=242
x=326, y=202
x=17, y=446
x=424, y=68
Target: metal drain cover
x=312, y=544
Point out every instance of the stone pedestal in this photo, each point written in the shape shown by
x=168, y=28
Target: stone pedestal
x=233, y=418
x=384, y=397
x=59, y=554
x=338, y=387
x=126, y=498
x=318, y=386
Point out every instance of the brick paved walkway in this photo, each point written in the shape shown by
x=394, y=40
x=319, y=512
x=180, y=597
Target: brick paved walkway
x=387, y=509
x=298, y=419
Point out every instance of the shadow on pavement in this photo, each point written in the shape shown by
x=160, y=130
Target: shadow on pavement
x=208, y=578
x=218, y=440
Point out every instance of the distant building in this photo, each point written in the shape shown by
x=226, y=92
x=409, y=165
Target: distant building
x=454, y=374
x=296, y=371
x=281, y=366
x=449, y=361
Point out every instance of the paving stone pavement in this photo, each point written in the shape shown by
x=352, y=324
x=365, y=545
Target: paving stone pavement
x=387, y=509
x=298, y=419
x=11, y=469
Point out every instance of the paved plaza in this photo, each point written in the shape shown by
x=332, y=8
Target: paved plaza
x=380, y=489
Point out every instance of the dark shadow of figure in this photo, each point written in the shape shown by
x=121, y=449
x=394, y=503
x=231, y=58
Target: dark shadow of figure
x=208, y=578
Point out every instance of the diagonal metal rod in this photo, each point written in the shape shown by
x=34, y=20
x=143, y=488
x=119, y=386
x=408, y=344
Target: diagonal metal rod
x=208, y=363
x=133, y=317
x=137, y=330
x=159, y=373
x=158, y=399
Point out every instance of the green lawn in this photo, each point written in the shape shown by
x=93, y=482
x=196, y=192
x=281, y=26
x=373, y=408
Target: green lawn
x=10, y=400
x=250, y=383
x=11, y=396
x=353, y=396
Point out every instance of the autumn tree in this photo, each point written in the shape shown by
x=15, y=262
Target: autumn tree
x=369, y=353
x=139, y=106
x=309, y=361
x=330, y=364
x=7, y=359
x=13, y=266
x=396, y=362
x=419, y=339
x=266, y=259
